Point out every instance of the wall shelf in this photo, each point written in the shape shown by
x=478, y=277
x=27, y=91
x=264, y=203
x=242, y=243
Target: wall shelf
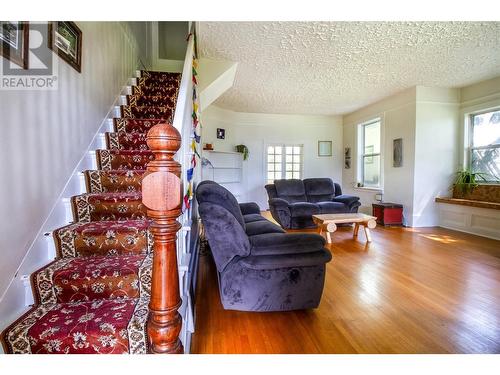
x=225, y=168
x=223, y=152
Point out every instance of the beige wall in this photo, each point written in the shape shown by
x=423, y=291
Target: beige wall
x=45, y=133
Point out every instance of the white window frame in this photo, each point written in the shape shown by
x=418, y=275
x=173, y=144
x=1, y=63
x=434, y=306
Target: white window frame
x=362, y=155
x=283, y=159
x=470, y=138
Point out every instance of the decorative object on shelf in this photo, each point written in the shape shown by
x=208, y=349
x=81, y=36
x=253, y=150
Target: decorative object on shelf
x=221, y=133
x=14, y=42
x=205, y=162
x=65, y=38
x=397, y=152
x=244, y=150
x=195, y=137
x=324, y=148
x=388, y=213
x=347, y=158
x=466, y=181
x=208, y=147
x=359, y=184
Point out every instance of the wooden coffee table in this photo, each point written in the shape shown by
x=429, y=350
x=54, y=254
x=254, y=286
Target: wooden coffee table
x=328, y=223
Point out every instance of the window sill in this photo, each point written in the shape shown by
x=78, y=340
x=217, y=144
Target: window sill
x=366, y=188
x=469, y=202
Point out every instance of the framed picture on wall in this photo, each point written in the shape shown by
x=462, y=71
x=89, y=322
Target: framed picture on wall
x=347, y=158
x=397, y=152
x=14, y=42
x=324, y=148
x=65, y=39
x=221, y=133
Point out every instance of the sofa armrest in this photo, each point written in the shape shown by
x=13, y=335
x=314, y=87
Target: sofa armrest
x=273, y=262
x=278, y=202
x=348, y=200
x=285, y=243
x=280, y=211
x=249, y=208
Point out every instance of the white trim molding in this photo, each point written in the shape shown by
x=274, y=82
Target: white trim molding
x=480, y=221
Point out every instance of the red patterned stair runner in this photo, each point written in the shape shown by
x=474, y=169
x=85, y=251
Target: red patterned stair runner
x=93, y=298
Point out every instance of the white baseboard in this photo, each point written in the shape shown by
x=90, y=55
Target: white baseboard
x=480, y=221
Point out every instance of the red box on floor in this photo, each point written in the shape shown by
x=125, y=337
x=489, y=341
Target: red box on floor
x=388, y=213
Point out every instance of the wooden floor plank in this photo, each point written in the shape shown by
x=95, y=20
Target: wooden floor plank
x=412, y=290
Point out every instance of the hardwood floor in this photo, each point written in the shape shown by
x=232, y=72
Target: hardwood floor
x=420, y=290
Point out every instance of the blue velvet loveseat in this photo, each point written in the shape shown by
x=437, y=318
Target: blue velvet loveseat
x=293, y=202
x=259, y=266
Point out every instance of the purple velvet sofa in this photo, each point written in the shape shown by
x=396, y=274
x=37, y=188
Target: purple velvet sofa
x=259, y=266
x=293, y=202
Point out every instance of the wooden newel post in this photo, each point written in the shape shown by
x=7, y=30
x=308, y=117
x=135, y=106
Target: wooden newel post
x=162, y=195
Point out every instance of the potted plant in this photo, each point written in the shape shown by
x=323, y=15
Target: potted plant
x=244, y=150
x=466, y=181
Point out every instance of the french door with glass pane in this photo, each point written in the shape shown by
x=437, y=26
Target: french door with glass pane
x=284, y=162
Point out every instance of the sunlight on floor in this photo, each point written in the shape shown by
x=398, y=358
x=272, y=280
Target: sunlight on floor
x=440, y=238
x=369, y=280
x=410, y=229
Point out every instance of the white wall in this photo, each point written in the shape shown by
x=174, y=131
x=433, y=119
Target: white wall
x=257, y=130
x=397, y=114
x=45, y=133
x=436, y=150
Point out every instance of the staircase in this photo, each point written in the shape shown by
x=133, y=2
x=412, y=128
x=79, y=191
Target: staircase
x=93, y=298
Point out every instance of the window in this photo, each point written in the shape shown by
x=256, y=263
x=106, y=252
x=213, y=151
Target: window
x=370, y=157
x=284, y=162
x=485, y=144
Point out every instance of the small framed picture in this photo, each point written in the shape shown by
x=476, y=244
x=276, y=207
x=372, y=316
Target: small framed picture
x=347, y=158
x=221, y=133
x=324, y=148
x=65, y=38
x=397, y=152
x=14, y=42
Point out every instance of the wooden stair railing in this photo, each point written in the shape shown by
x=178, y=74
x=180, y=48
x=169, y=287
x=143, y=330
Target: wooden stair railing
x=162, y=195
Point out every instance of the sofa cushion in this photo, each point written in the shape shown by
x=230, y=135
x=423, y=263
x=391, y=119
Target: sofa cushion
x=253, y=217
x=224, y=234
x=332, y=207
x=216, y=194
x=303, y=209
x=262, y=227
x=291, y=190
x=319, y=189
x=249, y=208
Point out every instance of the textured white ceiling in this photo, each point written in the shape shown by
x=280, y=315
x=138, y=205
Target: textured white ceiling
x=338, y=67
